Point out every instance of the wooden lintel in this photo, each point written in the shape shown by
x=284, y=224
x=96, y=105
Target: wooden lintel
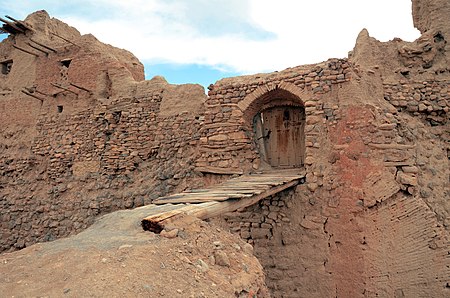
x=81, y=88
x=32, y=95
x=43, y=45
x=36, y=48
x=12, y=25
x=65, y=39
x=24, y=50
x=64, y=88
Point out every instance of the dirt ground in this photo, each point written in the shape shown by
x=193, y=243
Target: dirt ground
x=116, y=258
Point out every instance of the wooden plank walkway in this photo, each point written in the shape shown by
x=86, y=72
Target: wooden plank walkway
x=231, y=195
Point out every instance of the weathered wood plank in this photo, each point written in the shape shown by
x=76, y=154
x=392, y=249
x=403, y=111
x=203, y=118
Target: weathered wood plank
x=212, y=210
x=208, y=209
x=242, y=187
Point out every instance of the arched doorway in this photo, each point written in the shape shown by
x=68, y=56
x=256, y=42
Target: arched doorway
x=279, y=132
x=276, y=113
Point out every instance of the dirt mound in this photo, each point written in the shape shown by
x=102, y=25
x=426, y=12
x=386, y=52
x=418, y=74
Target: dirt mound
x=116, y=258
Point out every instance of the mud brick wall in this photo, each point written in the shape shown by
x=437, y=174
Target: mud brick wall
x=227, y=144
x=109, y=157
x=406, y=267
x=361, y=158
x=290, y=240
x=114, y=139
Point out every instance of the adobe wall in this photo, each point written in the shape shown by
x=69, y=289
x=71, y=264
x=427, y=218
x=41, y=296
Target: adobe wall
x=371, y=219
x=71, y=154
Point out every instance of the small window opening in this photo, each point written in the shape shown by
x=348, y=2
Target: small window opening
x=405, y=73
x=117, y=115
x=438, y=37
x=66, y=62
x=60, y=109
x=6, y=67
x=286, y=116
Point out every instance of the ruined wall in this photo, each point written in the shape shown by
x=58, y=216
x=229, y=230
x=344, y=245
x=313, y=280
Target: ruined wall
x=228, y=139
x=372, y=218
x=377, y=183
x=105, y=158
x=69, y=154
x=377, y=167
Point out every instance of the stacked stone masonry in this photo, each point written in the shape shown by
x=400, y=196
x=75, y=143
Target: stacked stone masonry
x=228, y=137
x=372, y=218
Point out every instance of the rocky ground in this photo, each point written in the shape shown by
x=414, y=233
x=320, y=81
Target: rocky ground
x=116, y=258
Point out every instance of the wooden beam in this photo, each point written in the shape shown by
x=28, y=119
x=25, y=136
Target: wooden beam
x=82, y=88
x=155, y=223
x=12, y=25
x=65, y=39
x=210, y=209
x=219, y=208
x=43, y=45
x=36, y=48
x=37, y=91
x=26, y=51
x=64, y=88
x=25, y=26
x=223, y=171
x=32, y=95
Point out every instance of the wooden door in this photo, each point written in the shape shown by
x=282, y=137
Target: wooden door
x=284, y=140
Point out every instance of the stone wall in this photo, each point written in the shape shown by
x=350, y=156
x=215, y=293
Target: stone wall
x=109, y=157
x=84, y=135
x=371, y=219
x=290, y=240
x=431, y=99
x=227, y=142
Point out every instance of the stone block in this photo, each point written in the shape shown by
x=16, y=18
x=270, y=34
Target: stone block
x=407, y=178
x=218, y=138
x=260, y=233
x=82, y=168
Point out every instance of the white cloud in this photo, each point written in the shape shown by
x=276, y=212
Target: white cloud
x=246, y=36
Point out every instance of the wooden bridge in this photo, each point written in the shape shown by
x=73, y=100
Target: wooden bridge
x=231, y=195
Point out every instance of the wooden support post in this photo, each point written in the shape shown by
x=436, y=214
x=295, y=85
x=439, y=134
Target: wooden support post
x=32, y=95
x=82, y=88
x=43, y=45
x=26, y=51
x=65, y=39
x=12, y=25
x=64, y=88
x=36, y=48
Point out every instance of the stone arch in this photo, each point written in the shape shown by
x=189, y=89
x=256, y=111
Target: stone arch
x=263, y=95
x=276, y=115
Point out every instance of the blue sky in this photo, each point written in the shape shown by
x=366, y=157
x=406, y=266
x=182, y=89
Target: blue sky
x=201, y=41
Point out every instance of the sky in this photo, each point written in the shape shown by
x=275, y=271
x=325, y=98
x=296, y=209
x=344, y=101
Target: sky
x=202, y=41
